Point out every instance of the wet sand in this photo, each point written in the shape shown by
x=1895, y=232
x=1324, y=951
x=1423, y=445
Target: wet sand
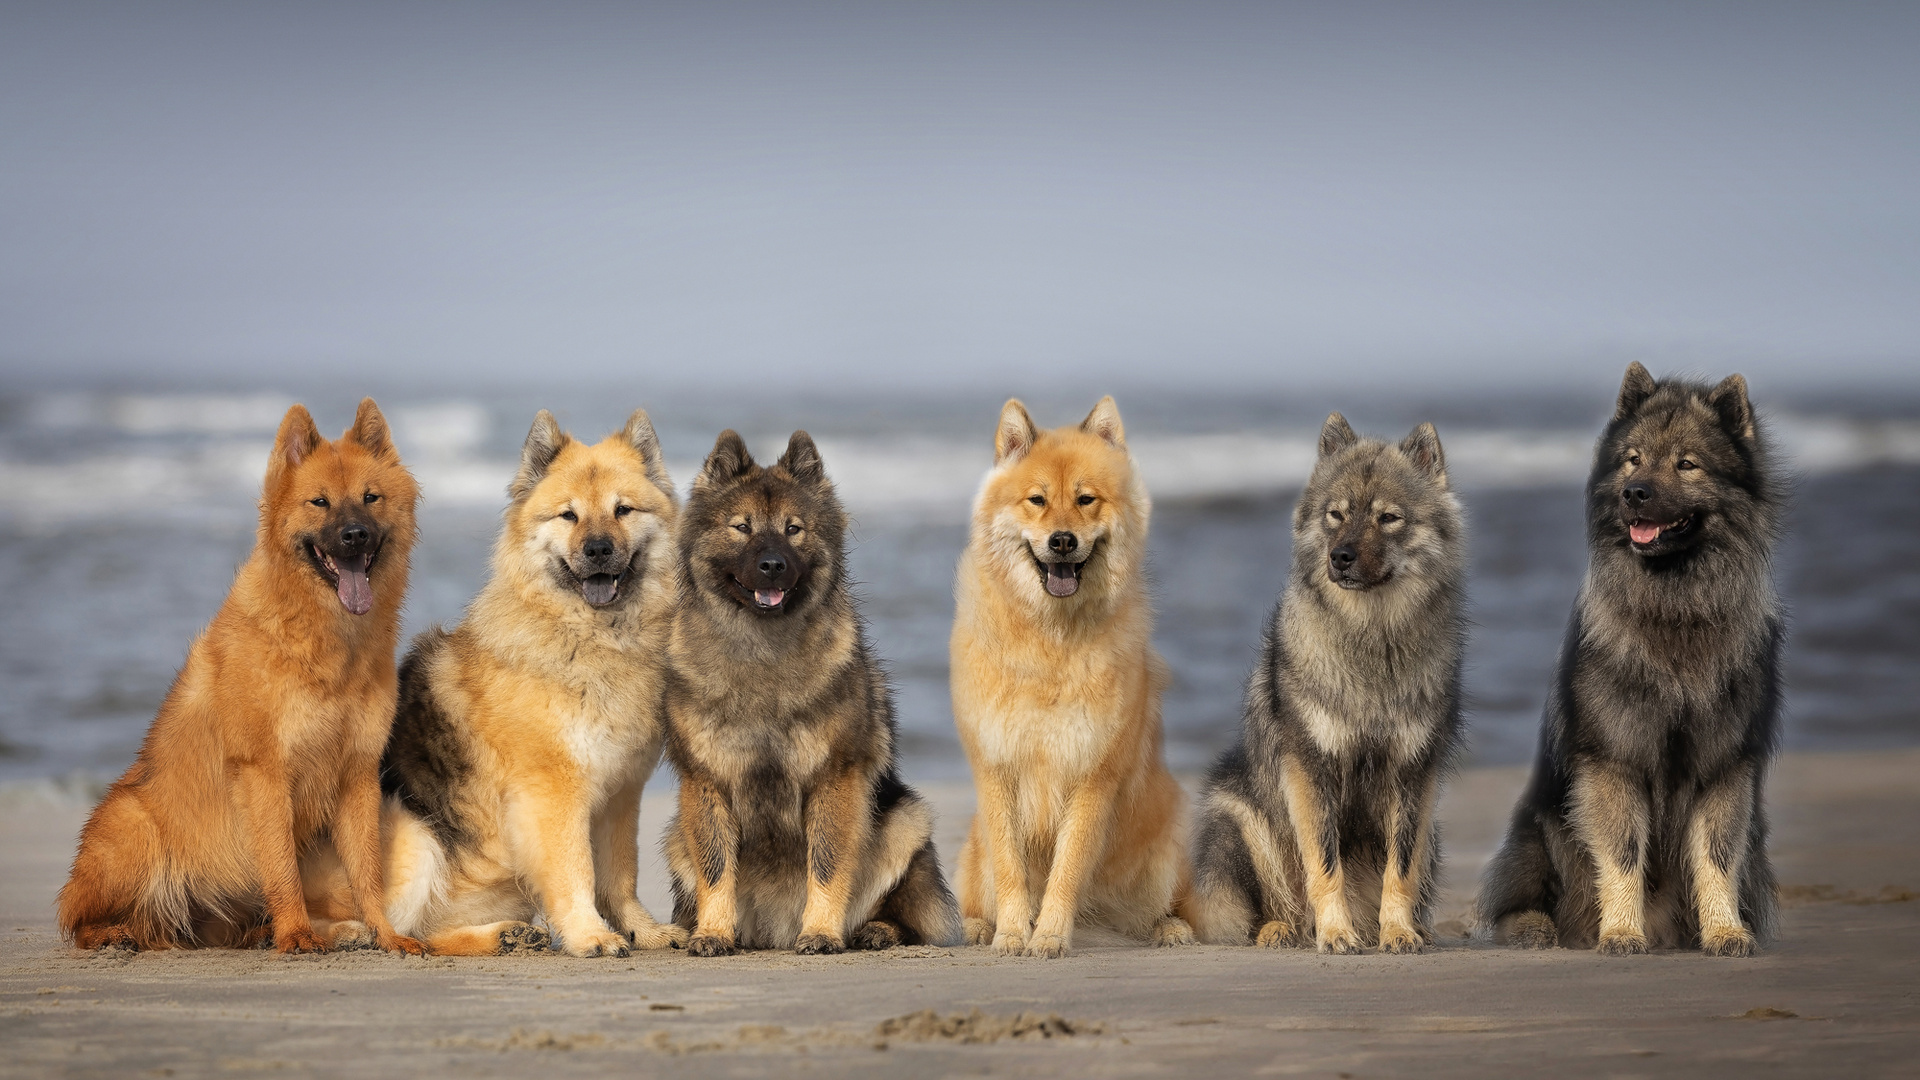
x=1839, y=994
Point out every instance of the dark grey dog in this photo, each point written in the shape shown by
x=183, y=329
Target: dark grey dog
x=1643, y=825
x=1320, y=825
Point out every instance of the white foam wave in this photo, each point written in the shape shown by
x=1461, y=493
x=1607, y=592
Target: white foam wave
x=918, y=476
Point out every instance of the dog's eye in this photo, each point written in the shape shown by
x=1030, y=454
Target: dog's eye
x=1686, y=466
x=744, y=526
x=1336, y=515
x=1085, y=500
x=622, y=511
x=1037, y=500
x=1388, y=519
x=369, y=497
x=568, y=515
x=320, y=502
x=1633, y=458
x=793, y=528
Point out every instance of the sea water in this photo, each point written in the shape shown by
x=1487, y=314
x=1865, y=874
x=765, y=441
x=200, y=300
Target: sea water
x=123, y=516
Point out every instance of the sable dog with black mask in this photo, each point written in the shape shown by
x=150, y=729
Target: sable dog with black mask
x=794, y=830
x=1644, y=826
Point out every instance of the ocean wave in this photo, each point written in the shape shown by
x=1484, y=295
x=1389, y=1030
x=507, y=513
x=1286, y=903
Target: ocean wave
x=215, y=448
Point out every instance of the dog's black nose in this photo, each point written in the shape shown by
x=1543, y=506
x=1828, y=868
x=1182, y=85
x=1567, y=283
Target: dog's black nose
x=597, y=548
x=355, y=536
x=1063, y=543
x=1342, y=557
x=772, y=565
x=1635, y=494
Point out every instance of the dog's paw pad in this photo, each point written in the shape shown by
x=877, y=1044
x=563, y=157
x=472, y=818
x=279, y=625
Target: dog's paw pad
x=1048, y=946
x=659, y=936
x=1277, y=935
x=1400, y=942
x=1621, y=945
x=819, y=945
x=709, y=945
x=1340, y=943
x=876, y=935
x=1171, y=930
x=1733, y=941
x=977, y=931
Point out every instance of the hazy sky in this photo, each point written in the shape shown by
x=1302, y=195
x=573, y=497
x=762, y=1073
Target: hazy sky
x=849, y=194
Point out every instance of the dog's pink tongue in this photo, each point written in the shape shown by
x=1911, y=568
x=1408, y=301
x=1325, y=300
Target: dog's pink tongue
x=1061, y=580
x=356, y=592
x=1644, y=532
x=769, y=597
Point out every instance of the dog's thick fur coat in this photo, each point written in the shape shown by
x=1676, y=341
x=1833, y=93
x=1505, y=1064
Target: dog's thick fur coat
x=1319, y=826
x=265, y=753
x=1643, y=825
x=1056, y=694
x=524, y=735
x=794, y=829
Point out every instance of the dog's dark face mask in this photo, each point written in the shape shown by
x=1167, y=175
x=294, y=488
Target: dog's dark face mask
x=761, y=537
x=1679, y=461
x=343, y=548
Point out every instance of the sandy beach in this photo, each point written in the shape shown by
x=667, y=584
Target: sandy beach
x=1838, y=994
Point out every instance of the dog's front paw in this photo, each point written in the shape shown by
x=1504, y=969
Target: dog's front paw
x=659, y=936
x=1170, y=930
x=1008, y=942
x=819, y=945
x=350, y=934
x=710, y=945
x=524, y=937
x=1727, y=941
x=977, y=931
x=597, y=943
x=1339, y=939
x=1278, y=935
x=1621, y=943
x=303, y=940
x=876, y=935
x=1049, y=946
x=401, y=943
x=1400, y=940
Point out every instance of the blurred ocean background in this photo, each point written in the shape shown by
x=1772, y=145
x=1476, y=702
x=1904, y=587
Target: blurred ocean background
x=878, y=220
x=122, y=517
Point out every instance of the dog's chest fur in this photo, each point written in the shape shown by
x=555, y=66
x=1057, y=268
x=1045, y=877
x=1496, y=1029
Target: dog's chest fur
x=1356, y=690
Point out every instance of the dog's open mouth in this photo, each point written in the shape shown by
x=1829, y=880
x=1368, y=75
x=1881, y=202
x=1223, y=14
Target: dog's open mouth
x=1646, y=533
x=600, y=589
x=1062, y=579
x=763, y=600
x=349, y=574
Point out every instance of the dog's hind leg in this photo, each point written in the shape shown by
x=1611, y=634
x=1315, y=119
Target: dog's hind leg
x=1717, y=837
x=973, y=876
x=616, y=871
x=108, y=900
x=492, y=939
x=919, y=904
x=1219, y=903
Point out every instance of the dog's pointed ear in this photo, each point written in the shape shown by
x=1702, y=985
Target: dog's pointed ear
x=1635, y=389
x=1422, y=447
x=802, y=459
x=298, y=437
x=639, y=434
x=544, y=442
x=727, y=459
x=1336, y=435
x=1104, y=421
x=1015, y=435
x=370, y=430
x=1729, y=399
